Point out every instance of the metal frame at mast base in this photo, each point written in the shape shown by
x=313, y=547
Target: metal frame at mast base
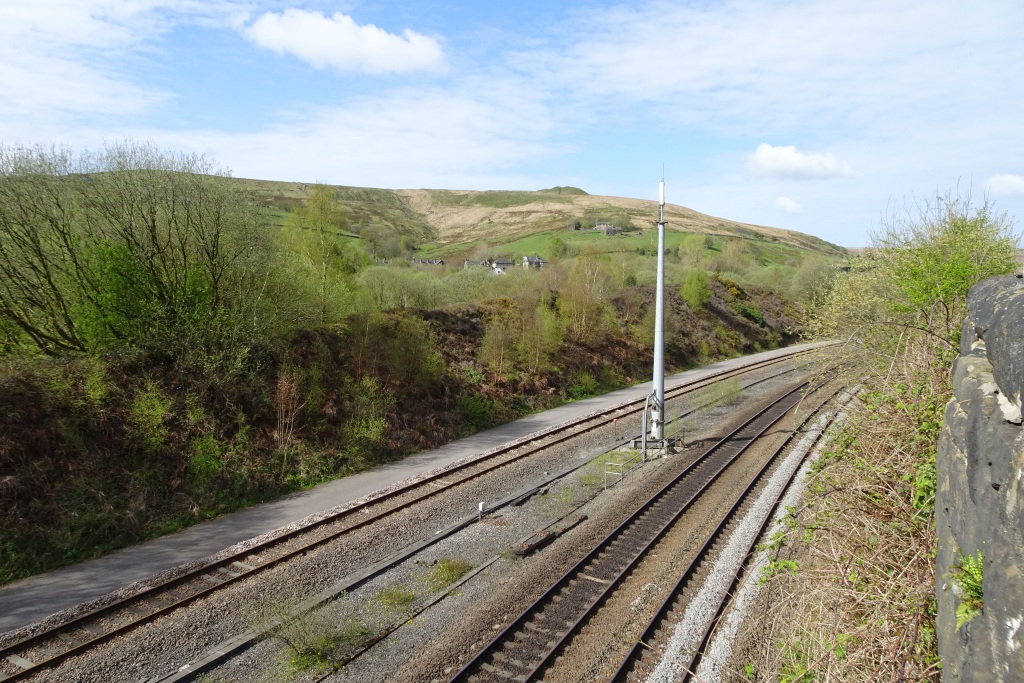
x=644, y=440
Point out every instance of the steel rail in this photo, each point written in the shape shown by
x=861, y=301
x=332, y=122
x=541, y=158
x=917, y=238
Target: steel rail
x=217, y=574
x=645, y=643
x=232, y=647
x=698, y=654
x=492, y=662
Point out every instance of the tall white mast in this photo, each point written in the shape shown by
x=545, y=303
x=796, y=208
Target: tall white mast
x=658, y=411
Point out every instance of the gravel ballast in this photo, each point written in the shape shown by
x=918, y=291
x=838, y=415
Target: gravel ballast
x=437, y=639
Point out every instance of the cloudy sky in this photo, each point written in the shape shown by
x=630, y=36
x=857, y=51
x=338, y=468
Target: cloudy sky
x=818, y=116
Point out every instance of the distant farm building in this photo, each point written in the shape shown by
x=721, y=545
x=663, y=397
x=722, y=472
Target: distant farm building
x=608, y=228
x=498, y=265
x=533, y=262
x=501, y=264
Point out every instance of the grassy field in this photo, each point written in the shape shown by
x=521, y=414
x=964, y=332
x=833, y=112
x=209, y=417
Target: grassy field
x=641, y=242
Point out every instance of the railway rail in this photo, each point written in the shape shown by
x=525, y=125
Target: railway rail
x=526, y=646
x=648, y=649
x=47, y=648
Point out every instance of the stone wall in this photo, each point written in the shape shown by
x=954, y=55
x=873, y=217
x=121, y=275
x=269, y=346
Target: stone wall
x=980, y=498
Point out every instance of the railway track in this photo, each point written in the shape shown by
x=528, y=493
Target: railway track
x=530, y=643
x=644, y=657
x=47, y=648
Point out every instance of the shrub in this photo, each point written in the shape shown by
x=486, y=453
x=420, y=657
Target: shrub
x=696, y=289
x=749, y=311
x=205, y=462
x=583, y=385
x=149, y=412
x=479, y=412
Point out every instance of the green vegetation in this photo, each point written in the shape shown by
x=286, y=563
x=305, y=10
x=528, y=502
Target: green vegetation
x=396, y=597
x=175, y=343
x=447, y=571
x=967, y=575
x=592, y=476
x=725, y=392
x=696, y=290
x=865, y=539
x=319, y=641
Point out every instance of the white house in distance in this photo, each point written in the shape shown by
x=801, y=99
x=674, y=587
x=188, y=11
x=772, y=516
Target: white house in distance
x=498, y=265
x=533, y=262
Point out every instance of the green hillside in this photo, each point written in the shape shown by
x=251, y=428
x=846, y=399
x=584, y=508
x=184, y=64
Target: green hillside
x=454, y=223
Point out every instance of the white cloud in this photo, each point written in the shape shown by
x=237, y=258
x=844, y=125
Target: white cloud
x=788, y=205
x=1005, y=185
x=787, y=162
x=341, y=43
x=744, y=64
x=408, y=138
x=68, y=59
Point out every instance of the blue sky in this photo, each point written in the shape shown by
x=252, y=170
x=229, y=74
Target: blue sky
x=815, y=116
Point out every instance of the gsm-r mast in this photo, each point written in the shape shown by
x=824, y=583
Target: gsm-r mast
x=658, y=388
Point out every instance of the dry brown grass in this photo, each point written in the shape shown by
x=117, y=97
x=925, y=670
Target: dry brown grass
x=454, y=217
x=469, y=223
x=850, y=594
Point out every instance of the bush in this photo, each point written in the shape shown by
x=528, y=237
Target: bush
x=478, y=412
x=749, y=311
x=583, y=385
x=149, y=412
x=132, y=246
x=696, y=289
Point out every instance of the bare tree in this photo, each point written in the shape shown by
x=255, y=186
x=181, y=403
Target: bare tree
x=121, y=245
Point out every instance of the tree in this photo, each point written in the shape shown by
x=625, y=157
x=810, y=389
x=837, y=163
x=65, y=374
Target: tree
x=540, y=335
x=326, y=249
x=693, y=248
x=558, y=248
x=582, y=301
x=735, y=257
x=498, y=345
x=935, y=256
x=381, y=241
x=40, y=265
x=131, y=245
x=696, y=289
x=812, y=280
x=916, y=275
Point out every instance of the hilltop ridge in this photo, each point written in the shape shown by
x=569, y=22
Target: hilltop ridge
x=448, y=217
